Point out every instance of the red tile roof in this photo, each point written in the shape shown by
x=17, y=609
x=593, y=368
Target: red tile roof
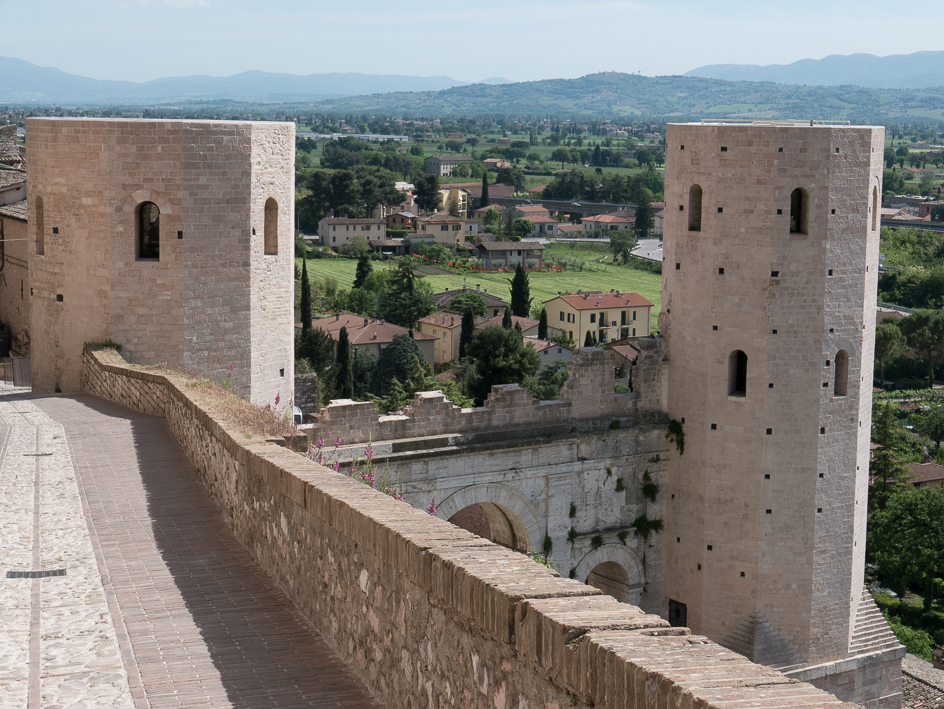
x=595, y=301
x=526, y=323
x=925, y=472
x=363, y=331
x=608, y=219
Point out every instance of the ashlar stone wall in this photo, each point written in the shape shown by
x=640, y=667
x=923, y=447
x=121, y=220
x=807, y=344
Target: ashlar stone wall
x=429, y=615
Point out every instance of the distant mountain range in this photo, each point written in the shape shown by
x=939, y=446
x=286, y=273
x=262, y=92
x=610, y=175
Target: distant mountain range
x=22, y=82
x=899, y=71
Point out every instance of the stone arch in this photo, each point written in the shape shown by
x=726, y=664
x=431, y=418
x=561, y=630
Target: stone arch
x=510, y=501
x=145, y=195
x=625, y=559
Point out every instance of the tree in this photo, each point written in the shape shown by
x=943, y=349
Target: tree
x=364, y=269
x=645, y=219
x=483, y=202
x=520, y=292
x=506, y=319
x=929, y=421
x=343, y=373
x=468, y=300
x=906, y=539
x=621, y=244
x=542, y=325
x=561, y=155
x=889, y=344
x=362, y=369
x=466, y=331
x=305, y=305
x=588, y=340
x=454, y=205
x=888, y=475
x=396, y=362
x=892, y=182
x=501, y=357
x=547, y=383
x=924, y=330
x=427, y=192
x=523, y=227
x=356, y=247
x=316, y=347
x=491, y=218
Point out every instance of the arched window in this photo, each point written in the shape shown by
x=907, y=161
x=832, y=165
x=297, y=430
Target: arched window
x=40, y=227
x=799, y=206
x=874, y=208
x=737, y=374
x=842, y=373
x=694, y=208
x=148, y=228
x=271, y=232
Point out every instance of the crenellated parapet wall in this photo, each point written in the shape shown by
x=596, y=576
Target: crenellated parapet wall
x=587, y=394
x=425, y=613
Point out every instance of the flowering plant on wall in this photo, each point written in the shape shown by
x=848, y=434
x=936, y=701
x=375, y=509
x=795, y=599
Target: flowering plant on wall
x=361, y=468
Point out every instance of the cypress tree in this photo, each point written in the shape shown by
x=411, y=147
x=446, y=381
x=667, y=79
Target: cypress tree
x=542, y=325
x=343, y=372
x=364, y=269
x=506, y=319
x=305, y=304
x=483, y=202
x=466, y=331
x=520, y=292
x=588, y=340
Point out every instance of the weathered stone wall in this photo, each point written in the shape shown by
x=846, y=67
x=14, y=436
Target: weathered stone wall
x=213, y=298
x=587, y=394
x=426, y=613
x=15, y=284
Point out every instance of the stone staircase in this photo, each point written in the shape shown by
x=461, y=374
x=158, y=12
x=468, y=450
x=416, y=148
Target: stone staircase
x=870, y=632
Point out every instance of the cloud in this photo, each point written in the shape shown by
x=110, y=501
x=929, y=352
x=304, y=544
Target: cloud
x=182, y=4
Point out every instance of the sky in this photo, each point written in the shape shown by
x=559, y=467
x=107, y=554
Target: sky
x=519, y=40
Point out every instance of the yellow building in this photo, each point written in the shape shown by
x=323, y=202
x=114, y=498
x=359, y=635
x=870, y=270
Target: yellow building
x=446, y=327
x=607, y=316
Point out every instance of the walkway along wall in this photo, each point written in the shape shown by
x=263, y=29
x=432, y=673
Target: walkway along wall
x=425, y=613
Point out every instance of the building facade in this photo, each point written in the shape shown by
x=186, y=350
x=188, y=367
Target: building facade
x=340, y=231
x=443, y=165
x=770, y=274
x=605, y=316
x=171, y=238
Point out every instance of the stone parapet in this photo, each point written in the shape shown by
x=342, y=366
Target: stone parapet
x=587, y=394
x=425, y=613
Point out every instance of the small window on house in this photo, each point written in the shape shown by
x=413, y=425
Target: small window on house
x=799, y=206
x=271, y=229
x=148, y=227
x=561, y=314
x=842, y=373
x=40, y=227
x=737, y=373
x=634, y=315
x=694, y=208
x=593, y=317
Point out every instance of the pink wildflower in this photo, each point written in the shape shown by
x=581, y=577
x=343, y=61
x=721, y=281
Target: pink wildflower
x=321, y=442
x=277, y=399
x=431, y=507
x=369, y=453
x=337, y=442
x=337, y=464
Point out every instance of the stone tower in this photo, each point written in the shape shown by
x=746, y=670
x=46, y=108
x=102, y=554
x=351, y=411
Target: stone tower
x=770, y=274
x=171, y=238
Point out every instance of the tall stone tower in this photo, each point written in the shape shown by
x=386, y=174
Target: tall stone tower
x=770, y=274
x=171, y=238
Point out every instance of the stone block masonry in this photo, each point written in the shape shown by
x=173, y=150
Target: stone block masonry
x=218, y=291
x=428, y=614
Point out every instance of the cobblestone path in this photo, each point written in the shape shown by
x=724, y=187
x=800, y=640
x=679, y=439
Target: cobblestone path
x=121, y=587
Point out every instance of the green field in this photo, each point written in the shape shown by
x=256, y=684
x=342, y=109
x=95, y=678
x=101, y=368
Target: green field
x=544, y=286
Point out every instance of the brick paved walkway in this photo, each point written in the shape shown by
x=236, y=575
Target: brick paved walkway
x=196, y=622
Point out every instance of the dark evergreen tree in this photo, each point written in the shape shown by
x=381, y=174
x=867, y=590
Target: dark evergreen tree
x=343, y=373
x=520, y=293
x=466, y=331
x=500, y=358
x=645, y=219
x=588, y=340
x=542, y=325
x=396, y=362
x=364, y=269
x=483, y=202
x=596, y=159
x=305, y=305
x=506, y=319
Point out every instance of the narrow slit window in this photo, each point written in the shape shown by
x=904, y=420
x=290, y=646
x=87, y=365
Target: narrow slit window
x=799, y=206
x=874, y=208
x=271, y=230
x=40, y=227
x=842, y=373
x=737, y=373
x=694, y=208
x=149, y=231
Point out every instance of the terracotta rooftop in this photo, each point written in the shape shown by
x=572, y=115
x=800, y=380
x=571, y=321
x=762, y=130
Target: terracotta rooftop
x=526, y=323
x=595, y=301
x=461, y=158
x=448, y=319
x=541, y=345
x=608, y=219
x=925, y=472
x=17, y=210
x=531, y=208
x=512, y=245
x=445, y=298
x=363, y=331
x=8, y=178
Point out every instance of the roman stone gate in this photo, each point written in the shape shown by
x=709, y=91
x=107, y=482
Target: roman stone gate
x=567, y=486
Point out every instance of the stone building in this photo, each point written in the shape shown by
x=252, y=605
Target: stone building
x=771, y=266
x=170, y=238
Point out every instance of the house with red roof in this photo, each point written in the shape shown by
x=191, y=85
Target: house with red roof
x=606, y=316
x=370, y=334
x=606, y=222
